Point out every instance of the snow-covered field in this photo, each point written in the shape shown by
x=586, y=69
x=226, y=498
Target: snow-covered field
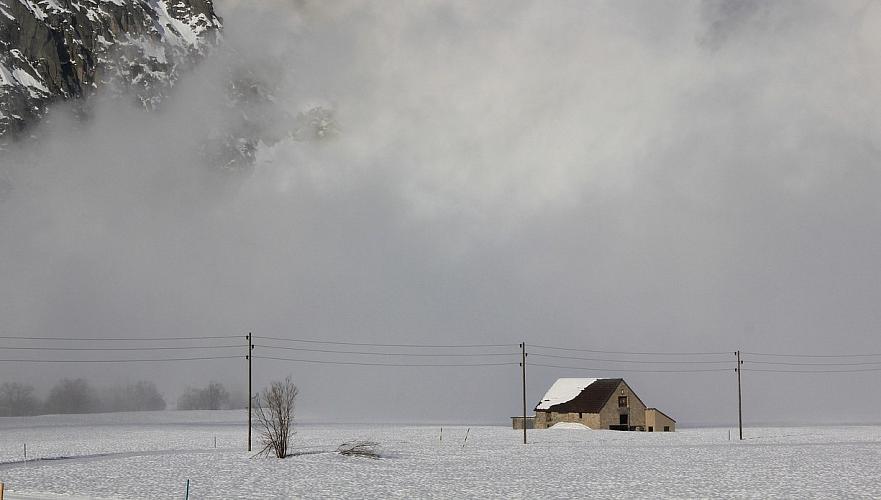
x=151, y=455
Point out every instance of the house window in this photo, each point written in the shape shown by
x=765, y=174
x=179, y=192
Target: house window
x=651, y=429
x=622, y=401
x=579, y=415
x=666, y=428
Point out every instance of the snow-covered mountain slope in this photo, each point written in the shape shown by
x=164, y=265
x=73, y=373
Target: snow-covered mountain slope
x=65, y=49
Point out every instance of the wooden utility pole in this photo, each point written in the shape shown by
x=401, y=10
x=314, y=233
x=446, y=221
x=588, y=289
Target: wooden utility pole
x=739, y=397
x=523, y=366
x=250, y=394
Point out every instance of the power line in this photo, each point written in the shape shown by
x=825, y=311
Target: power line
x=119, y=339
x=813, y=355
x=139, y=360
x=390, y=353
x=632, y=370
x=633, y=352
x=383, y=364
x=857, y=370
x=859, y=363
x=365, y=344
x=4, y=348
x=626, y=360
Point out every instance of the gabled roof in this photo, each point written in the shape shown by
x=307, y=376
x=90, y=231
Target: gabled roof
x=563, y=390
x=573, y=395
x=662, y=413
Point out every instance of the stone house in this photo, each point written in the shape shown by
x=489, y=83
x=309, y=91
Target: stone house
x=605, y=403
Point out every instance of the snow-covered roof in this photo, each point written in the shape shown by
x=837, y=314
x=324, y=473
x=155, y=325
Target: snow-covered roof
x=564, y=390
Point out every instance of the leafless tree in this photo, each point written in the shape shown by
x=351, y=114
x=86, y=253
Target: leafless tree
x=17, y=399
x=140, y=396
x=72, y=396
x=212, y=397
x=274, y=412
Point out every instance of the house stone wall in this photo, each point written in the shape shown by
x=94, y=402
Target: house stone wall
x=545, y=419
x=517, y=422
x=657, y=421
x=609, y=415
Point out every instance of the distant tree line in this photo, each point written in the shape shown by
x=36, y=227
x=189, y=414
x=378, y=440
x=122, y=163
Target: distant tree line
x=79, y=396
x=214, y=396
x=18, y=399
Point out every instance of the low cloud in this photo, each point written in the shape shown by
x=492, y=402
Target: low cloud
x=683, y=176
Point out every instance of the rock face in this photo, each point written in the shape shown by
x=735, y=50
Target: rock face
x=66, y=49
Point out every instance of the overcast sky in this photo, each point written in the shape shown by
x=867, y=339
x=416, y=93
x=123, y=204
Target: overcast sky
x=627, y=176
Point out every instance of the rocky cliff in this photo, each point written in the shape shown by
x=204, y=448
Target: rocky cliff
x=66, y=49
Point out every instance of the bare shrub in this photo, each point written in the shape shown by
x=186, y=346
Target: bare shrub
x=361, y=448
x=274, y=411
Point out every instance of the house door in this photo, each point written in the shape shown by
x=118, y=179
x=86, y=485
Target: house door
x=623, y=419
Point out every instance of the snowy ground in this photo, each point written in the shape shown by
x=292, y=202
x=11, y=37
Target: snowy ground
x=151, y=455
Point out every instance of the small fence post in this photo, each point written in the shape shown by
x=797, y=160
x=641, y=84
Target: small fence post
x=1, y=491
x=188, y=491
x=466, y=437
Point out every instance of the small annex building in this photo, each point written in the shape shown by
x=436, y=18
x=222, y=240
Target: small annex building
x=598, y=403
x=658, y=421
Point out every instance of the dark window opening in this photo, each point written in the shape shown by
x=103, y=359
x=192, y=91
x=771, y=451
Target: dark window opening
x=666, y=428
x=651, y=429
x=579, y=415
x=622, y=401
x=622, y=419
